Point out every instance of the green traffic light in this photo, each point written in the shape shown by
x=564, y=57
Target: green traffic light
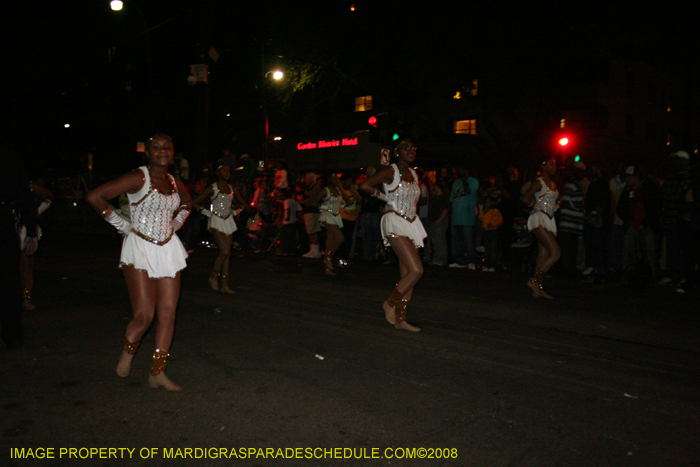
x=396, y=136
x=577, y=159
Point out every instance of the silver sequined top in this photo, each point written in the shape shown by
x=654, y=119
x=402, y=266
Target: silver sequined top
x=546, y=199
x=403, y=196
x=152, y=211
x=332, y=203
x=221, y=202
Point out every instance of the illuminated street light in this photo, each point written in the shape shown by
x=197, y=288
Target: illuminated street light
x=116, y=5
x=66, y=125
x=278, y=75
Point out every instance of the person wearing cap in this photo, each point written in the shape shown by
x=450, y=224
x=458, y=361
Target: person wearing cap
x=673, y=195
x=640, y=210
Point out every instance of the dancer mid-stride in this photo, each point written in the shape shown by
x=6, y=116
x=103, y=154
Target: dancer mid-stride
x=544, y=199
x=401, y=227
x=221, y=224
x=152, y=255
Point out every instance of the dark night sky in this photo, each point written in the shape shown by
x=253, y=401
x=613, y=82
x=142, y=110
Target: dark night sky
x=57, y=66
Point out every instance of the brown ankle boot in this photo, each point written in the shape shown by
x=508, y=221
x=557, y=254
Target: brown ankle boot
x=214, y=280
x=128, y=351
x=401, y=312
x=157, y=378
x=224, y=286
x=390, y=306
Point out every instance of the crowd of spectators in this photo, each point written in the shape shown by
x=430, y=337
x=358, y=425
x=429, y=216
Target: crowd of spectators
x=636, y=225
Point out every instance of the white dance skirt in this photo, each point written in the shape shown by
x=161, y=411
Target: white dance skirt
x=394, y=225
x=328, y=218
x=540, y=219
x=227, y=226
x=158, y=261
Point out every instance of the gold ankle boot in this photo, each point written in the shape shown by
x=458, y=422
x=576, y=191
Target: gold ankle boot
x=128, y=351
x=157, y=378
x=214, y=280
x=224, y=286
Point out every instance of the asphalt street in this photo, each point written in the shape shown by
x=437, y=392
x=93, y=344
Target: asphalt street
x=300, y=369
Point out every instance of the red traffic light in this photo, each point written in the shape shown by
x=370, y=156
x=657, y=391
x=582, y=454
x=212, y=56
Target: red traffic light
x=372, y=120
x=564, y=141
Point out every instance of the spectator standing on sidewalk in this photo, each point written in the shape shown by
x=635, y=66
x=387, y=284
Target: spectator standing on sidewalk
x=640, y=209
x=464, y=199
x=673, y=195
x=491, y=219
x=438, y=221
x=571, y=220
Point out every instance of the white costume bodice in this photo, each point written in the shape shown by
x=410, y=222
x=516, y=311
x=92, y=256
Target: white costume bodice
x=152, y=211
x=403, y=196
x=332, y=203
x=221, y=202
x=546, y=199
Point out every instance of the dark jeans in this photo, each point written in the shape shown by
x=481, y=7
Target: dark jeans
x=438, y=237
x=594, y=241
x=642, y=239
x=371, y=234
x=489, y=238
x=463, y=244
x=673, y=251
x=568, y=243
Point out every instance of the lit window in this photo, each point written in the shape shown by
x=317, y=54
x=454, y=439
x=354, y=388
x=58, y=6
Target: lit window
x=457, y=96
x=363, y=103
x=475, y=87
x=562, y=123
x=465, y=127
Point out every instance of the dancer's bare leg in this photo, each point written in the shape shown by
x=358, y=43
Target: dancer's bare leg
x=26, y=268
x=334, y=240
x=411, y=270
x=548, y=254
x=223, y=261
x=142, y=293
x=167, y=295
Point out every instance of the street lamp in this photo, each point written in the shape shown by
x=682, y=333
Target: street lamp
x=116, y=5
x=276, y=75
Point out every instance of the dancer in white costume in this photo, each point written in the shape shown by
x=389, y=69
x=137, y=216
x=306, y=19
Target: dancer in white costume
x=544, y=199
x=333, y=200
x=401, y=228
x=221, y=224
x=152, y=254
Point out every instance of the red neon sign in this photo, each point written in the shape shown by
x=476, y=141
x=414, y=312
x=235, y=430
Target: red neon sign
x=334, y=143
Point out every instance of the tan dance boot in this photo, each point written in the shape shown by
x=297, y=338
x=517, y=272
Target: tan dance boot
x=390, y=306
x=214, y=280
x=328, y=262
x=401, y=312
x=534, y=283
x=224, y=286
x=27, y=300
x=128, y=351
x=157, y=378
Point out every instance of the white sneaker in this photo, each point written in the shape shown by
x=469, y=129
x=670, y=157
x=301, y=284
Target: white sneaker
x=480, y=249
x=455, y=265
x=588, y=271
x=489, y=270
x=312, y=255
x=471, y=266
x=665, y=280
